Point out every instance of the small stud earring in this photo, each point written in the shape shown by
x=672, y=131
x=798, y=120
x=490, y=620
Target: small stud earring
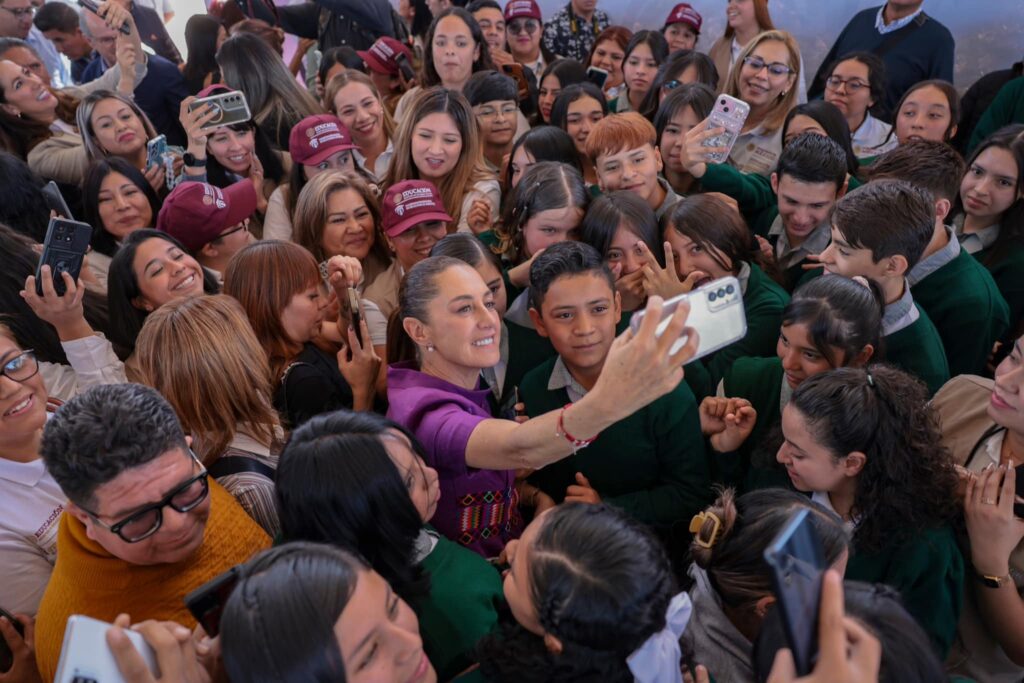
x=430, y=347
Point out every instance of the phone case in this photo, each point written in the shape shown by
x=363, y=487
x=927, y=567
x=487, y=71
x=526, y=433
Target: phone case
x=206, y=603
x=597, y=76
x=798, y=564
x=716, y=312
x=729, y=113
x=232, y=108
x=155, y=149
x=55, y=201
x=63, y=250
x=86, y=658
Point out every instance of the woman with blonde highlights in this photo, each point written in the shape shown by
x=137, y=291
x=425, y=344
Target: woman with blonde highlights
x=355, y=100
x=205, y=359
x=337, y=215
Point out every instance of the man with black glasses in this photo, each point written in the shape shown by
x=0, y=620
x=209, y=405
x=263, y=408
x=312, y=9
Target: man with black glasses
x=144, y=523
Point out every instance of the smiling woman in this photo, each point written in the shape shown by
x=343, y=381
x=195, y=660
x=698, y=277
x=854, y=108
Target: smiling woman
x=113, y=125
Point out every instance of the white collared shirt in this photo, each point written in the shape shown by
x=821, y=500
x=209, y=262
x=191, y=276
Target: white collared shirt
x=873, y=137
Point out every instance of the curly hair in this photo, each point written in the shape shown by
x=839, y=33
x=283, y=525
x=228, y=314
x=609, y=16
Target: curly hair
x=908, y=483
x=601, y=584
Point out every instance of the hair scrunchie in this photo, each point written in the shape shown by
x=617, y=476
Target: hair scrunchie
x=657, y=660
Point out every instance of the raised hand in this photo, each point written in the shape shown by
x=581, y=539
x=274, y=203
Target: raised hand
x=727, y=421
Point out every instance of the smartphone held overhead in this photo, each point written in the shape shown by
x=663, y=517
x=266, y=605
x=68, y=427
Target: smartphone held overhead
x=230, y=107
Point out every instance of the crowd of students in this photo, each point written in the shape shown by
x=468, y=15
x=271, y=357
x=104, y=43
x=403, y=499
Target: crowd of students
x=370, y=348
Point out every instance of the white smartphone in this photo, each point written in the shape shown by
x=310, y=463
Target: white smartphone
x=86, y=658
x=729, y=113
x=231, y=108
x=716, y=312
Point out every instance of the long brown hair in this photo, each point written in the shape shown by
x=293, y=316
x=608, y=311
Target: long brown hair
x=468, y=170
x=718, y=229
x=782, y=105
x=264, y=277
x=761, y=16
x=19, y=136
x=203, y=356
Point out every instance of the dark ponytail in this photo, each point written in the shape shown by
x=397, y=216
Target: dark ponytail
x=839, y=313
x=418, y=288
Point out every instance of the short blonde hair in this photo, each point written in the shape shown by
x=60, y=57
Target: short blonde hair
x=620, y=132
x=781, y=107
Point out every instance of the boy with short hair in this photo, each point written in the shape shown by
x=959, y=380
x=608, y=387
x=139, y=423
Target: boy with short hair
x=623, y=149
x=651, y=464
x=880, y=231
x=958, y=293
x=791, y=209
x=495, y=101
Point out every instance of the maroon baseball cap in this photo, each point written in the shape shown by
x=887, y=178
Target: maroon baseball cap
x=683, y=13
x=196, y=213
x=382, y=56
x=522, y=8
x=315, y=138
x=409, y=203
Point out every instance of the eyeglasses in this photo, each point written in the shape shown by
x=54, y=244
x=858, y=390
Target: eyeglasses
x=519, y=25
x=774, y=68
x=244, y=225
x=21, y=367
x=24, y=13
x=507, y=111
x=852, y=85
x=671, y=85
x=147, y=521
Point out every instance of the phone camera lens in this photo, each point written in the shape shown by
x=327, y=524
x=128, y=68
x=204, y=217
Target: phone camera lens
x=721, y=293
x=730, y=289
x=726, y=109
x=711, y=296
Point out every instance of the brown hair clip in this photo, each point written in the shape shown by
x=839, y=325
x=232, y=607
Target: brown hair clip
x=697, y=523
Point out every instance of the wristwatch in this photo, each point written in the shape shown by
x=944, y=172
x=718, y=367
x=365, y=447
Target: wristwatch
x=991, y=581
x=191, y=161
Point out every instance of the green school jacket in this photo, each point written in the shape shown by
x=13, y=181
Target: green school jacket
x=651, y=464
x=928, y=571
x=918, y=349
x=1008, y=273
x=763, y=303
x=969, y=313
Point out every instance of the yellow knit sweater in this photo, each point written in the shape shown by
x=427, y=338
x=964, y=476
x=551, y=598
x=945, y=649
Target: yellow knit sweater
x=88, y=580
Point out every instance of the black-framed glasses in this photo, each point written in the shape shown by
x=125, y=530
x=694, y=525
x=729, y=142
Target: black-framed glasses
x=517, y=26
x=852, y=84
x=21, y=367
x=24, y=12
x=144, y=523
x=774, y=68
x=244, y=225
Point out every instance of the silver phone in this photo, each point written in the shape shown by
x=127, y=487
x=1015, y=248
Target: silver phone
x=716, y=312
x=729, y=113
x=231, y=106
x=86, y=658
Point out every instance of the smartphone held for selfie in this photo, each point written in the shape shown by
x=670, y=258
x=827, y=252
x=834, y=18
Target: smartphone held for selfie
x=597, y=76
x=508, y=409
x=85, y=656
x=231, y=108
x=798, y=567
x=355, y=315
x=405, y=67
x=64, y=250
x=729, y=113
x=55, y=201
x=6, y=656
x=206, y=603
x=155, y=150
x=716, y=312
x=94, y=7
x=1018, y=508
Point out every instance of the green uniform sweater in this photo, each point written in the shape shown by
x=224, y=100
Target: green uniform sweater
x=763, y=303
x=969, y=313
x=928, y=571
x=461, y=608
x=917, y=348
x=651, y=464
x=1008, y=272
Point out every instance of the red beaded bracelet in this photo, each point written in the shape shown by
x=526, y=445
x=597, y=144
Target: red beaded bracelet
x=576, y=443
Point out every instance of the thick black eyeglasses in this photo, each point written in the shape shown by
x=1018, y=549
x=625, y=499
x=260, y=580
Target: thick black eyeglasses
x=21, y=367
x=147, y=521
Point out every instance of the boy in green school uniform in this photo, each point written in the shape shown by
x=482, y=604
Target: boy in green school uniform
x=652, y=464
x=880, y=231
x=958, y=293
x=791, y=209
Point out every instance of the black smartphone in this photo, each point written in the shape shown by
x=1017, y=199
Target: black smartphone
x=404, y=66
x=94, y=8
x=6, y=656
x=64, y=251
x=55, y=201
x=206, y=603
x=1018, y=508
x=355, y=313
x=508, y=410
x=798, y=566
x=597, y=76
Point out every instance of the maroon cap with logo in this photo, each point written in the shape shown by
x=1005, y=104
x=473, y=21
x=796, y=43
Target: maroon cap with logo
x=315, y=138
x=522, y=8
x=382, y=56
x=683, y=13
x=197, y=213
x=409, y=203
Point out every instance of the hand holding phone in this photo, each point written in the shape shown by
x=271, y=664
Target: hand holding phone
x=94, y=7
x=64, y=250
x=597, y=76
x=730, y=114
x=55, y=201
x=12, y=644
x=86, y=656
x=405, y=67
x=355, y=314
x=206, y=603
x=230, y=107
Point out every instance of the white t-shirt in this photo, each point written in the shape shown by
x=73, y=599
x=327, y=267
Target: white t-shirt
x=31, y=504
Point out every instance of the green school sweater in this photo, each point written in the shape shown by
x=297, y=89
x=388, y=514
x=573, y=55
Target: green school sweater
x=759, y=380
x=928, y=571
x=1008, y=274
x=970, y=315
x=763, y=303
x=461, y=608
x=918, y=349
x=651, y=464
x=491, y=241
